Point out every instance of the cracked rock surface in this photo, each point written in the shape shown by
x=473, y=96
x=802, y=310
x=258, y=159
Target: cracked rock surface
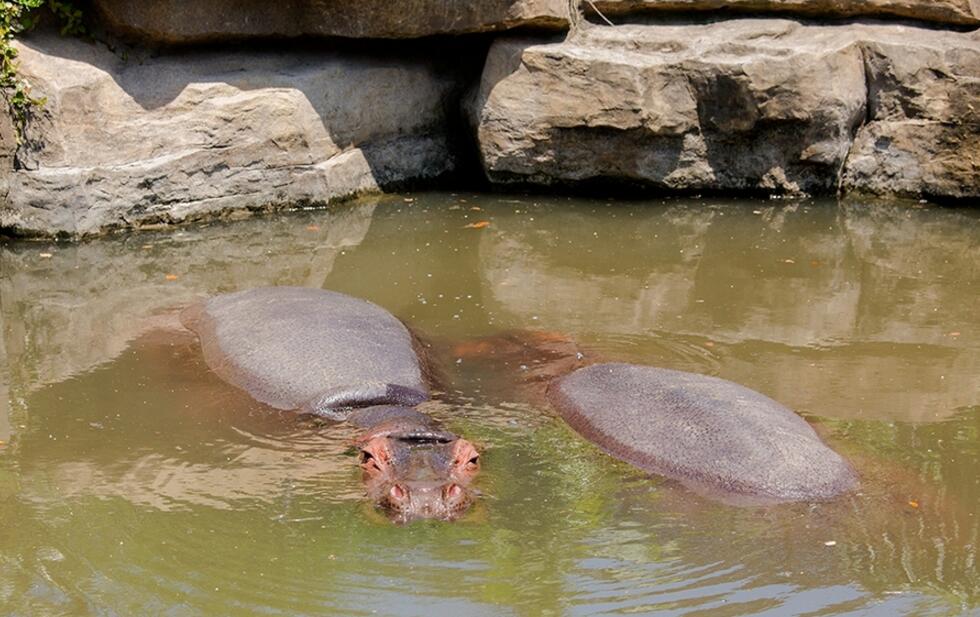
x=748, y=105
x=955, y=12
x=178, y=22
x=176, y=137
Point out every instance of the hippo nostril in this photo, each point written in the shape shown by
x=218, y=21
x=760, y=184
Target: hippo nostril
x=398, y=493
x=452, y=491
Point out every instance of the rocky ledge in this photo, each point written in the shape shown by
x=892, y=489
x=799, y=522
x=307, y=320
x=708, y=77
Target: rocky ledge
x=958, y=12
x=682, y=96
x=177, y=22
x=752, y=104
x=178, y=137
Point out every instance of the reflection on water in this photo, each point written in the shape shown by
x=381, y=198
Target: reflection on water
x=793, y=300
x=134, y=482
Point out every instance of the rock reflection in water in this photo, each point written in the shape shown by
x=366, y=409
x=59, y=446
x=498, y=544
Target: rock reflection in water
x=4, y=390
x=81, y=307
x=168, y=434
x=849, y=312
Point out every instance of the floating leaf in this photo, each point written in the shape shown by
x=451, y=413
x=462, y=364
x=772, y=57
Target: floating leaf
x=477, y=225
x=312, y=228
x=170, y=277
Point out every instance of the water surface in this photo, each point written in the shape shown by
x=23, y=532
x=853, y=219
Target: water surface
x=132, y=482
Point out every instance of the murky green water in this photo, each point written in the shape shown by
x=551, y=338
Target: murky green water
x=134, y=483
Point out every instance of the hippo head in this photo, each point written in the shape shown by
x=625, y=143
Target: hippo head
x=415, y=471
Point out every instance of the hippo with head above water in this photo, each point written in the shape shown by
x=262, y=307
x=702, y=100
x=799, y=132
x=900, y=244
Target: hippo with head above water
x=347, y=359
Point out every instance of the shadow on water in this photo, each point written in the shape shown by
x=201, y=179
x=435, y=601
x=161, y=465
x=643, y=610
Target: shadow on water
x=135, y=482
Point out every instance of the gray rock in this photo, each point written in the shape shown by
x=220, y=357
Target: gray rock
x=715, y=436
x=8, y=146
x=960, y=12
x=766, y=105
x=310, y=349
x=923, y=129
x=176, y=22
x=181, y=137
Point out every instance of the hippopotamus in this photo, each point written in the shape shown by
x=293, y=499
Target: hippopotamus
x=716, y=437
x=346, y=359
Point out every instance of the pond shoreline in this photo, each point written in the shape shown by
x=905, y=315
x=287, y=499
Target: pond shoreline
x=175, y=116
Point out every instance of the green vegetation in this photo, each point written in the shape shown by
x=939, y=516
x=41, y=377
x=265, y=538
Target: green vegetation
x=17, y=16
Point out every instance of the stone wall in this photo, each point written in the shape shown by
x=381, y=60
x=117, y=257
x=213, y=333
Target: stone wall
x=951, y=12
x=184, y=136
x=755, y=96
x=748, y=104
x=176, y=22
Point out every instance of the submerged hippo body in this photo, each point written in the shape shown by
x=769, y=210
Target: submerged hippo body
x=716, y=437
x=323, y=352
x=347, y=359
x=307, y=349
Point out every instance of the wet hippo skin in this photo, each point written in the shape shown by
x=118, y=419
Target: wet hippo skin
x=308, y=349
x=717, y=437
x=323, y=352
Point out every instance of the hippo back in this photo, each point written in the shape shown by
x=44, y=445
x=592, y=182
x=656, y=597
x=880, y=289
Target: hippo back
x=296, y=348
x=715, y=436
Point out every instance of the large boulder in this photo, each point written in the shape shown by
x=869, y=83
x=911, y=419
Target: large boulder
x=923, y=129
x=175, y=137
x=750, y=104
x=177, y=22
x=959, y=12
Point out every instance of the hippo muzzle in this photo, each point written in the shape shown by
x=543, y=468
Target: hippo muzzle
x=414, y=471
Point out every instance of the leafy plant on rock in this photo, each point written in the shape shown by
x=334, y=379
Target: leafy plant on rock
x=18, y=16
